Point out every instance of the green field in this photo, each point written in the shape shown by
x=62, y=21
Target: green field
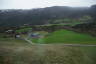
x=67, y=37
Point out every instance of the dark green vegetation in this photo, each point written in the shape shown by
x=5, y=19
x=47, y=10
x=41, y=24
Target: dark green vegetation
x=23, y=30
x=41, y=16
x=71, y=21
x=89, y=27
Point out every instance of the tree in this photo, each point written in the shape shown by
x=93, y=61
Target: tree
x=93, y=12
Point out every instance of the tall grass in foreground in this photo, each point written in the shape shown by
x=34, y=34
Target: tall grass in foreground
x=49, y=54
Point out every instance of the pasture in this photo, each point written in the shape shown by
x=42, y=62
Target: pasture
x=66, y=37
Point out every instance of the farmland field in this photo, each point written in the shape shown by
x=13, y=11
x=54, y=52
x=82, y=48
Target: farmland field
x=67, y=37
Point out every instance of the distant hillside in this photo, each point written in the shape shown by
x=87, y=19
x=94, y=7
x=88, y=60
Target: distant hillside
x=40, y=16
x=89, y=27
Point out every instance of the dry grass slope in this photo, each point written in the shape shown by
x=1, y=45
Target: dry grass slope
x=42, y=54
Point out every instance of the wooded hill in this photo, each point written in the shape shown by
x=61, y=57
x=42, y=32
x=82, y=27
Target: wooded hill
x=40, y=16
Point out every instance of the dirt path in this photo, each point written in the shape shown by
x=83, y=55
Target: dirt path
x=81, y=45
x=30, y=42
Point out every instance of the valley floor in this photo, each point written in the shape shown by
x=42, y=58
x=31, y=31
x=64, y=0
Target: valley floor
x=74, y=48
